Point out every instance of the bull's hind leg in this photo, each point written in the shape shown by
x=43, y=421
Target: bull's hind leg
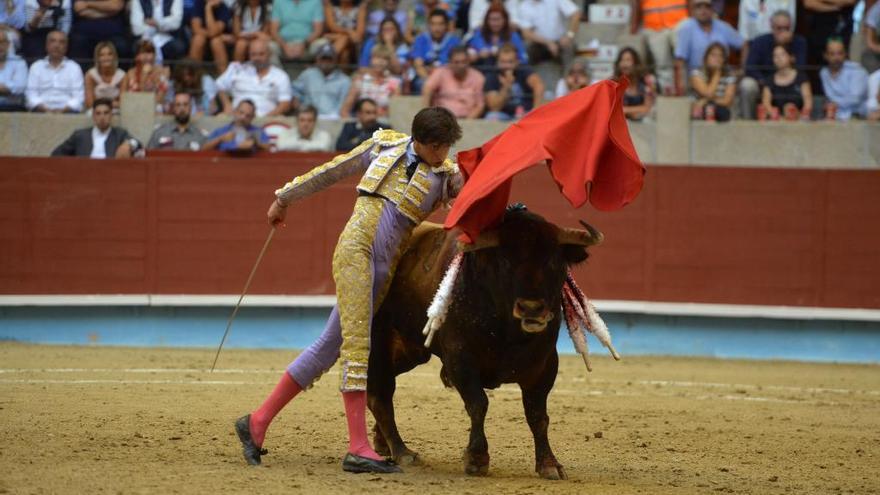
x=534, y=398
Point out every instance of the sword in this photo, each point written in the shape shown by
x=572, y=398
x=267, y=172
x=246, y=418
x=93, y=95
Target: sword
x=243, y=292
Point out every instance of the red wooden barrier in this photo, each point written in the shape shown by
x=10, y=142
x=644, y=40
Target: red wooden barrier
x=194, y=225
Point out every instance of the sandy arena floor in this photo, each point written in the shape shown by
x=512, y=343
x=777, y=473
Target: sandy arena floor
x=119, y=420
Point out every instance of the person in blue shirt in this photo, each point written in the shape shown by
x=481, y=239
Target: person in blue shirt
x=241, y=134
x=432, y=48
x=695, y=34
x=495, y=31
x=845, y=83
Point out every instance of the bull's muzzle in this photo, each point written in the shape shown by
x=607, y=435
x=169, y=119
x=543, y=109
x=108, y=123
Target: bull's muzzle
x=534, y=315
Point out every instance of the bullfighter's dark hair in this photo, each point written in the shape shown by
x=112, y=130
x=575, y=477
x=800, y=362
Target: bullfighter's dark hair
x=436, y=125
x=107, y=102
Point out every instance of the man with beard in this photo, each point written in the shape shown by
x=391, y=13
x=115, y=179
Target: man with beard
x=267, y=86
x=845, y=83
x=178, y=134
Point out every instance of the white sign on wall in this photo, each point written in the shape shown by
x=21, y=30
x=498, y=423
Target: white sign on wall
x=609, y=13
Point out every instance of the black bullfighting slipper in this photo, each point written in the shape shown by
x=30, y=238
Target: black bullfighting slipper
x=357, y=464
x=249, y=449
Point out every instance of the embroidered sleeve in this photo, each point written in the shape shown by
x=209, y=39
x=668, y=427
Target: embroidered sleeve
x=323, y=176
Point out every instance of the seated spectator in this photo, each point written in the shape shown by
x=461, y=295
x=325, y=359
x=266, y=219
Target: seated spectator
x=714, y=86
x=354, y=133
x=12, y=19
x=188, y=77
x=478, y=8
x=43, y=17
x=658, y=20
x=826, y=19
x=55, y=83
x=422, y=10
x=496, y=31
x=390, y=8
x=391, y=37
x=511, y=90
x=760, y=58
x=263, y=85
x=374, y=83
x=241, y=134
x=211, y=26
x=159, y=21
x=871, y=55
x=550, y=28
x=694, y=36
x=147, y=76
x=323, y=87
x=787, y=92
x=431, y=49
x=297, y=26
x=95, y=21
x=101, y=140
x=346, y=26
x=13, y=77
x=638, y=99
x=180, y=133
x=457, y=87
x=104, y=80
x=250, y=21
x=845, y=83
x=873, y=105
x=576, y=78
x=306, y=137
x=756, y=16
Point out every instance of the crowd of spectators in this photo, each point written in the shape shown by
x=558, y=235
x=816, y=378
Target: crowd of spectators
x=477, y=58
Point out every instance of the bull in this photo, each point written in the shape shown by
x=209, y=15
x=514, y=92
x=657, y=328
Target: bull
x=502, y=326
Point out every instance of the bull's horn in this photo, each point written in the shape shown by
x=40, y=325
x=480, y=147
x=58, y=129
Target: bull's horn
x=484, y=240
x=589, y=237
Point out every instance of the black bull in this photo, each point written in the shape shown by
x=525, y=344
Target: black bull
x=501, y=327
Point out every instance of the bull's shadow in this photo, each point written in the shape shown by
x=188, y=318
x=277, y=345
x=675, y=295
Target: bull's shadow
x=501, y=327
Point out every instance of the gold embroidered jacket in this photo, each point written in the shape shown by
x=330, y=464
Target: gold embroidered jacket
x=382, y=159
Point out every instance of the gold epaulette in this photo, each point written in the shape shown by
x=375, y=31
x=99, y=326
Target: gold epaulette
x=448, y=167
x=389, y=137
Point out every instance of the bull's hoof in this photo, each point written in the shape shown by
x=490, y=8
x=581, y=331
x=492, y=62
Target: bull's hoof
x=476, y=464
x=552, y=471
x=408, y=458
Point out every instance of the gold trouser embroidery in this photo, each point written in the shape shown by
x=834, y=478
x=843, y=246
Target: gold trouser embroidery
x=353, y=274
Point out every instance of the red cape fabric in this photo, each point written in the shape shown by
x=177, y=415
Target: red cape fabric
x=584, y=139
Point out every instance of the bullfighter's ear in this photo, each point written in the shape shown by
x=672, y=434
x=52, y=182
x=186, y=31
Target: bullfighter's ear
x=574, y=254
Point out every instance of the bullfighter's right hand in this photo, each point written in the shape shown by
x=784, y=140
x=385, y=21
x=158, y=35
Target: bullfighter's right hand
x=276, y=214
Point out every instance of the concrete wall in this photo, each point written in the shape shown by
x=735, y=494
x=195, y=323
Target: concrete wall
x=671, y=138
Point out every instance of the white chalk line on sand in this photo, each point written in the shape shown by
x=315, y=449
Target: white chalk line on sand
x=241, y=371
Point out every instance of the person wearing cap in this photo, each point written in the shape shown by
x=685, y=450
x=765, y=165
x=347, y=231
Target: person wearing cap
x=257, y=80
x=695, y=34
x=323, y=86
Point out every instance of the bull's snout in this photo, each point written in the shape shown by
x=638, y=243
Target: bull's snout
x=533, y=314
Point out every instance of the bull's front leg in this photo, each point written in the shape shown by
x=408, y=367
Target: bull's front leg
x=534, y=398
x=381, y=384
x=466, y=380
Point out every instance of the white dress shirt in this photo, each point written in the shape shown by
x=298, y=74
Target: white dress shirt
x=167, y=24
x=55, y=87
x=242, y=82
x=99, y=139
x=873, y=89
x=549, y=18
x=290, y=140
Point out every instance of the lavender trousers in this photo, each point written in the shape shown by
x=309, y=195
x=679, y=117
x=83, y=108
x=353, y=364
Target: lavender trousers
x=391, y=232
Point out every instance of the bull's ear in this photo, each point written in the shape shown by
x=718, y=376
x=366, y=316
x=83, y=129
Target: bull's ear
x=574, y=254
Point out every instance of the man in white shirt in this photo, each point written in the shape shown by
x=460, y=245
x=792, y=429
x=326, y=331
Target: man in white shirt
x=550, y=28
x=101, y=140
x=306, y=137
x=55, y=83
x=257, y=80
x=159, y=21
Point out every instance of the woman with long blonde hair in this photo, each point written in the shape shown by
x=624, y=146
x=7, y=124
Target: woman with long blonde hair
x=104, y=79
